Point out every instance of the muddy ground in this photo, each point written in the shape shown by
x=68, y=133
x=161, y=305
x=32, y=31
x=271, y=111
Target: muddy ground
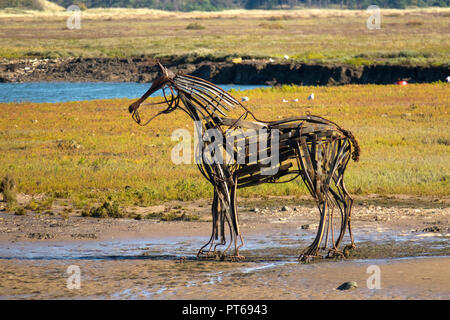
x=407, y=238
x=250, y=71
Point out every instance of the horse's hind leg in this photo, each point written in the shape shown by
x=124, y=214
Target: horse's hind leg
x=345, y=203
x=313, y=250
x=341, y=204
x=349, y=201
x=320, y=164
x=310, y=162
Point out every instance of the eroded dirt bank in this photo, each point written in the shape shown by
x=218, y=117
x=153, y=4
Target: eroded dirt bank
x=248, y=72
x=408, y=239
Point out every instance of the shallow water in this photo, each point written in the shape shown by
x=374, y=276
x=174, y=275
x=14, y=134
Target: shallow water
x=176, y=247
x=78, y=91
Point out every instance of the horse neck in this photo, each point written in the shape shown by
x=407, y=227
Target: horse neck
x=201, y=117
x=204, y=99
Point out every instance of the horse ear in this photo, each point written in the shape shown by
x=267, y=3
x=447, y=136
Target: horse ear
x=162, y=68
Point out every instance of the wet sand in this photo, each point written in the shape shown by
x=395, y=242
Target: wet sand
x=151, y=259
x=415, y=278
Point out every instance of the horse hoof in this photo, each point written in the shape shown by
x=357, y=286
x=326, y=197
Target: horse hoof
x=306, y=258
x=237, y=258
x=347, y=250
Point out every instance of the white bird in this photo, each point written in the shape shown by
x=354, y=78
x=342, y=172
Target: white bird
x=286, y=57
x=244, y=99
x=284, y=100
x=271, y=60
x=448, y=79
x=311, y=96
x=295, y=100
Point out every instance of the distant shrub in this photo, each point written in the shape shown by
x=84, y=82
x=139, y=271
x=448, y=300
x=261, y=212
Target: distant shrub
x=145, y=196
x=358, y=61
x=443, y=141
x=61, y=194
x=195, y=26
x=64, y=215
x=414, y=23
x=180, y=217
x=271, y=25
x=188, y=190
x=7, y=188
x=16, y=4
x=46, y=203
x=106, y=210
x=19, y=211
x=310, y=56
x=81, y=5
x=33, y=206
x=85, y=213
x=403, y=54
x=172, y=216
x=39, y=206
x=278, y=18
x=54, y=54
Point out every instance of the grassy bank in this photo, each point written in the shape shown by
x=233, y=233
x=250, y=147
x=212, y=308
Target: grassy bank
x=89, y=151
x=417, y=37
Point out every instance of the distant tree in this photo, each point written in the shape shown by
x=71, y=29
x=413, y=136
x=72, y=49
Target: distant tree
x=16, y=3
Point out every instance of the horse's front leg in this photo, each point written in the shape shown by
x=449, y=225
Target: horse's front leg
x=215, y=210
x=229, y=216
x=235, y=219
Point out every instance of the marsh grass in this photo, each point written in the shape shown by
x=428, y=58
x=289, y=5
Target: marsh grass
x=402, y=131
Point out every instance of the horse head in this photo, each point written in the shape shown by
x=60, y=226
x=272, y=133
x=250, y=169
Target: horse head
x=166, y=78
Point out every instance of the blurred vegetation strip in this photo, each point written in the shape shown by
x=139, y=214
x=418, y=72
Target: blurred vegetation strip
x=213, y=5
x=402, y=131
x=306, y=36
x=41, y=5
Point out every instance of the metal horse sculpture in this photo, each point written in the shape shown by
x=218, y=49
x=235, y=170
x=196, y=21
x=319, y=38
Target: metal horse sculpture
x=310, y=147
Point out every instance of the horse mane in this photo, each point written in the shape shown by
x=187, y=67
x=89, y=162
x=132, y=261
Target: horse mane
x=206, y=95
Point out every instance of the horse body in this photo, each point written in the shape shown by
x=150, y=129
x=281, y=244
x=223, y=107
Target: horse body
x=310, y=147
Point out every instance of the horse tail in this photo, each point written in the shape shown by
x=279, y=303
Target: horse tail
x=356, y=149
